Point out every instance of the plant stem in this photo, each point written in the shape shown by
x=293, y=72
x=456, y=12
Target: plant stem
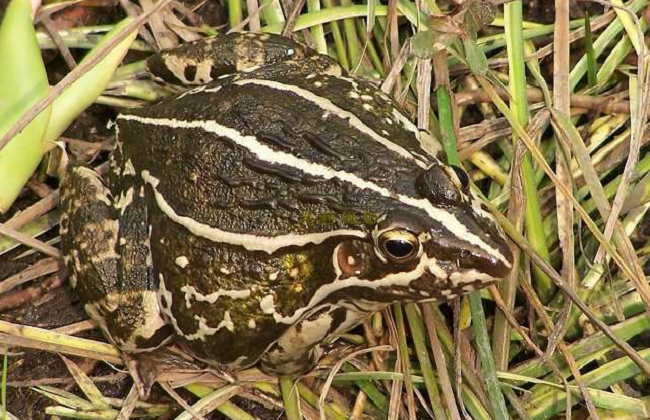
x=290, y=397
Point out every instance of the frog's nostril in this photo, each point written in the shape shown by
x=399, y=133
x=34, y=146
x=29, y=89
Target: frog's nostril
x=496, y=262
x=499, y=267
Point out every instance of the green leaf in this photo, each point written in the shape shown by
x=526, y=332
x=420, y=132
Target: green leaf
x=83, y=92
x=422, y=44
x=23, y=81
x=476, y=59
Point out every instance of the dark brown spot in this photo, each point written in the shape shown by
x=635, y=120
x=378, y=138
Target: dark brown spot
x=214, y=73
x=161, y=335
x=189, y=73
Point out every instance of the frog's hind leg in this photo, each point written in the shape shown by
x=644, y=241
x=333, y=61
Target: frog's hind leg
x=107, y=256
x=205, y=60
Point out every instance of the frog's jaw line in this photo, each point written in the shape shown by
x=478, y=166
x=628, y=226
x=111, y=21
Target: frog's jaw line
x=390, y=280
x=467, y=278
x=269, y=244
x=267, y=154
x=328, y=106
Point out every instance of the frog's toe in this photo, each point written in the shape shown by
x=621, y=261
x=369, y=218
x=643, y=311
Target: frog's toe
x=144, y=374
x=163, y=365
x=279, y=363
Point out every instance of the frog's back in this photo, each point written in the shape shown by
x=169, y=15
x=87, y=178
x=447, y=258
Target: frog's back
x=299, y=122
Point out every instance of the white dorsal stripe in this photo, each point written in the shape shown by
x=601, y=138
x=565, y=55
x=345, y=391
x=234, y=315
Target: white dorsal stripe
x=265, y=153
x=328, y=106
x=268, y=244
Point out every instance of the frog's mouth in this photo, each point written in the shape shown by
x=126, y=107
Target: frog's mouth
x=451, y=280
x=447, y=258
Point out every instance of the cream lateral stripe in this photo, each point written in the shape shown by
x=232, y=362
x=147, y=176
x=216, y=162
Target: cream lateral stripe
x=265, y=153
x=327, y=105
x=268, y=244
x=394, y=279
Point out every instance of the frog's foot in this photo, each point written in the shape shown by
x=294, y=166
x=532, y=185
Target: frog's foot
x=143, y=373
x=106, y=251
x=278, y=362
x=297, y=351
x=170, y=364
x=146, y=368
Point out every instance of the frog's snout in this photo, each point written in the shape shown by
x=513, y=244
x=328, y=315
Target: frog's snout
x=498, y=260
x=494, y=266
x=471, y=262
x=478, y=249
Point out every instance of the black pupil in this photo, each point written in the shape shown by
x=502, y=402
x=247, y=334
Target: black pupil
x=399, y=248
x=462, y=176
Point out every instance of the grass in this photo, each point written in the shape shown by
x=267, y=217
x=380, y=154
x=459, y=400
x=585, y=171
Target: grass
x=564, y=336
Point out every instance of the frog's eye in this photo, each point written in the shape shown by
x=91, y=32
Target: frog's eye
x=462, y=176
x=398, y=245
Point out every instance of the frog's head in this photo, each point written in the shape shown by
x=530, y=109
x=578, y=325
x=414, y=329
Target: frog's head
x=435, y=244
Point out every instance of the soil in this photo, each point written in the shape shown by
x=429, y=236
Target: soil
x=543, y=11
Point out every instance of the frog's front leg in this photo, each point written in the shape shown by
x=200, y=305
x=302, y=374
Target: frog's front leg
x=204, y=60
x=106, y=251
x=299, y=348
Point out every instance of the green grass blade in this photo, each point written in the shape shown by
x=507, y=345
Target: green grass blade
x=317, y=31
x=479, y=324
x=589, y=51
x=609, y=35
x=290, y=397
x=414, y=318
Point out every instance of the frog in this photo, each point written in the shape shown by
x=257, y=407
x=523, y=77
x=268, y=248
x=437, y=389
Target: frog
x=274, y=202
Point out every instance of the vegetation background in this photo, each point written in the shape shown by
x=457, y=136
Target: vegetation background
x=544, y=103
